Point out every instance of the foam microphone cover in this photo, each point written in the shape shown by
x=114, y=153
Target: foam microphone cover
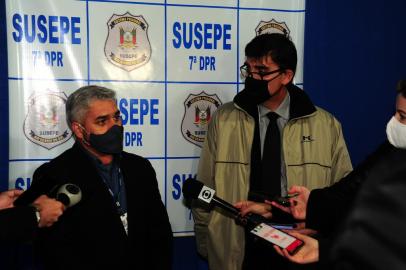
x=69, y=194
x=191, y=188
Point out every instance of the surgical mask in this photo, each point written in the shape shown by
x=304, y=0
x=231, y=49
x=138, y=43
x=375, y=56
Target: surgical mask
x=396, y=133
x=257, y=90
x=110, y=142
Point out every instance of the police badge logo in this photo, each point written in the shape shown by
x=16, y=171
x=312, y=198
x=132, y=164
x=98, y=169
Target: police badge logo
x=45, y=123
x=272, y=26
x=127, y=45
x=198, y=111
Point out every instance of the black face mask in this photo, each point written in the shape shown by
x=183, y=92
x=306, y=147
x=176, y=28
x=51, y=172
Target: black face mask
x=256, y=90
x=110, y=142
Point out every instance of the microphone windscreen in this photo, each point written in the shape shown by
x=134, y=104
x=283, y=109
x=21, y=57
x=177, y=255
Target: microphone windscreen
x=191, y=188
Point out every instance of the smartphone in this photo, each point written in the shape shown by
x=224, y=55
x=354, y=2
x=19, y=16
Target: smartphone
x=284, y=201
x=277, y=237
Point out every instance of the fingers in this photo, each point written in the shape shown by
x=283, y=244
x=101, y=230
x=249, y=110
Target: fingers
x=278, y=250
x=295, y=189
x=283, y=208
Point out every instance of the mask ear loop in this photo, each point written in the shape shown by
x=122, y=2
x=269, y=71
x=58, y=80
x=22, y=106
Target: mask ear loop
x=84, y=140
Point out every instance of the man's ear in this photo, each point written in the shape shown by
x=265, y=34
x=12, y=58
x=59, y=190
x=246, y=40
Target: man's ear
x=287, y=76
x=77, y=130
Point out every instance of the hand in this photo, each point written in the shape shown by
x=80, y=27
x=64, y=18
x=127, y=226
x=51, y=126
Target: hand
x=298, y=204
x=49, y=210
x=308, y=253
x=7, y=198
x=246, y=207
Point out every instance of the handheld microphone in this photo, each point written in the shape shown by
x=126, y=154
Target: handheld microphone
x=194, y=189
x=69, y=194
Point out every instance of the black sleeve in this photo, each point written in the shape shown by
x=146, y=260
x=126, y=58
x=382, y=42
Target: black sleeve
x=373, y=236
x=328, y=207
x=159, y=239
x=41, y=185
x=18, y=224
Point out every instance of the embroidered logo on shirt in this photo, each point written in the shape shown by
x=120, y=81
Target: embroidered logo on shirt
x=308, y=138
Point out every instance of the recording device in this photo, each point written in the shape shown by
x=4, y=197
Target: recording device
x=261, y=197
x=257, y=224
x=194, y=189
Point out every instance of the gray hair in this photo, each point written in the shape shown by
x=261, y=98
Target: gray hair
x=79, y=101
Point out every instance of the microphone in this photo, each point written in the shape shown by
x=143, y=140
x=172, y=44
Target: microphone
x=194, y=189
x=69, y=194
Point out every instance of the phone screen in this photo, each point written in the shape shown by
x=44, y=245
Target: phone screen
x=277, y=237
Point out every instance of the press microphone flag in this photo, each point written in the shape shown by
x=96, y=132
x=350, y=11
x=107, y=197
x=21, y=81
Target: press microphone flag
x=194, y=189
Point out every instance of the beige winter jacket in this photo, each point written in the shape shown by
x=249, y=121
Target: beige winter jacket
x=314, y=162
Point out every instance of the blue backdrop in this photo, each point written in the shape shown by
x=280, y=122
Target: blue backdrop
x=354, y=55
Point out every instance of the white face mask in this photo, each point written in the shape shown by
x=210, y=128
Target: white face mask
x=396, y=133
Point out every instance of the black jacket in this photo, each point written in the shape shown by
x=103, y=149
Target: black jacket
x=90, y=234
x=18, y=224
x=371, y=203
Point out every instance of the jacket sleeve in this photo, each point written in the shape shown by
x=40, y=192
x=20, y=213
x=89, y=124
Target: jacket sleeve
x=18, y=224
x=373, y=236
x=205, y=174
x=329, y=206
x=159, y=233
x=341, y=162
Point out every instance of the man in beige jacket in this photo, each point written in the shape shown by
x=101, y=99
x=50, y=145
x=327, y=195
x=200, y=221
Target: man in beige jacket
x=313, y=151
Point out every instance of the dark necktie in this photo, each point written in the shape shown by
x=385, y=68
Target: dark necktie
x=271, y=158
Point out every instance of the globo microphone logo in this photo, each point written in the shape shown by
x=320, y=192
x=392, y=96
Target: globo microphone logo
x=206, y=194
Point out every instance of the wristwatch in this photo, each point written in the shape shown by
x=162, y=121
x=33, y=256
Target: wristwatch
x=37, y=214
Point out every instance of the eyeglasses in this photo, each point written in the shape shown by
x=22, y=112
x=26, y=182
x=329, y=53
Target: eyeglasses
x=245, y=72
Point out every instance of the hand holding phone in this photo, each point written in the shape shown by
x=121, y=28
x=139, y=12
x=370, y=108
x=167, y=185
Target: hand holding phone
x=277, y=237
x=285, y=201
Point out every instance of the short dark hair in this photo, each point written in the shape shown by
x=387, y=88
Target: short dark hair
x=278, y=46
x=401, y=87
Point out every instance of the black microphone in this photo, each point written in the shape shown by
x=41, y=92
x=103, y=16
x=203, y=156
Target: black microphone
x=194, y=189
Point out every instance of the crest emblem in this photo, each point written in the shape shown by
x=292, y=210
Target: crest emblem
x=45, y=123
x=272, y=26
x=198, y=112
x=127, y=45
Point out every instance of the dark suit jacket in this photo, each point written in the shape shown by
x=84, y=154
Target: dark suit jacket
x=17, y=224
x=90, y=234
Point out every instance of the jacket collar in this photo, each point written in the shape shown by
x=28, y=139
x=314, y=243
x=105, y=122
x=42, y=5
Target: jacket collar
x=300, y=103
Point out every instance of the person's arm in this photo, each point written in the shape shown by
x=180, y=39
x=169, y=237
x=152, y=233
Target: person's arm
x=17, y=224
x=329, y=206
x=373, y=236
x=205, y=174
